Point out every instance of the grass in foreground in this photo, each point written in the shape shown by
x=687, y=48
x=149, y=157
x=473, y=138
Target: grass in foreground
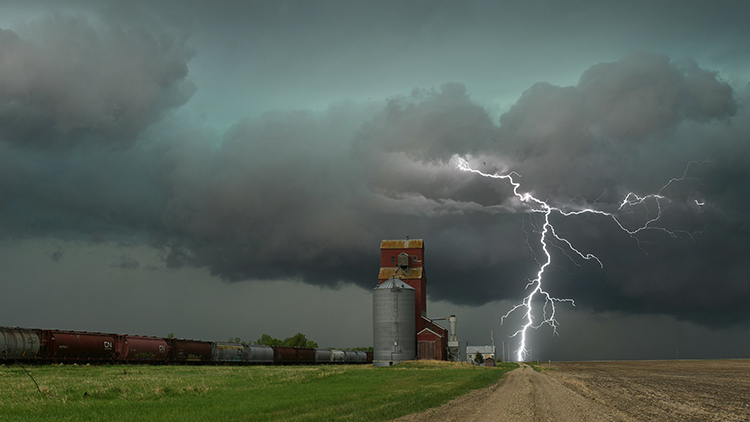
x=257, y=393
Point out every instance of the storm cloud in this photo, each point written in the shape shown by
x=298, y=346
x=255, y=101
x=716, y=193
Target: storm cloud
x=68, y=80
x=306, y=194
x=105, y=139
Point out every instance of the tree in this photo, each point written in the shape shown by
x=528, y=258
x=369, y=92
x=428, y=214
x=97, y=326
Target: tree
x=234, y=340
x=299, y=340
x=266, y=340
x=170, y=335
x=479, y=358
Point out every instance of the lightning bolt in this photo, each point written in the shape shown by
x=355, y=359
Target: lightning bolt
x=550, y=237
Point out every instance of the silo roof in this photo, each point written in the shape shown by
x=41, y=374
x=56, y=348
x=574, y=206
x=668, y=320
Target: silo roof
x=393, y=283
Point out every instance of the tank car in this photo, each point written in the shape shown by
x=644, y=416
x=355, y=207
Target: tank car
x=350, y=356
x=189, y=351
x=305, y=355
x=338, y=356
x=80, y=346
x=259, y=354
x=323, y=356
x=225, y=352
x=284, y=355
x=141, y=349
x=20, y=344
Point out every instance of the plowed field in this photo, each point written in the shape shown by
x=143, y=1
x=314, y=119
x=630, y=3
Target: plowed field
x=717, y=390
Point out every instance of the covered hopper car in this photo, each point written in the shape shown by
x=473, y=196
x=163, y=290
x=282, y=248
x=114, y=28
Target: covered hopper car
x=55, y=346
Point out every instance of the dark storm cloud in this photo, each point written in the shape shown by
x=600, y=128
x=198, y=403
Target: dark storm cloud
x=276, y=199
x=309, y=195
x=306, y=195
x=127, y=263
x=67, y=80
x=57, y=255
x=90, y=193
x=429, y=126
x=631, y=126
x=617, y=113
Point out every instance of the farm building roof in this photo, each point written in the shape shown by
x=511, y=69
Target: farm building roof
x=409, y=273
x=402, y=244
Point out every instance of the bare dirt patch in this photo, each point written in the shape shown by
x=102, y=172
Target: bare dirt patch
x=702, y=390
x=609, y=391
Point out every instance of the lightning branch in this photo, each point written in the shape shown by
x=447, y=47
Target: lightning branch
x=550, y=237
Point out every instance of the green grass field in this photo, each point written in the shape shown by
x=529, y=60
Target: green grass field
x=253, y=393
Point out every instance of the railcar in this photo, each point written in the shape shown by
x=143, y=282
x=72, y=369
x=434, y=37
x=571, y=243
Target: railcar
x=323, y=356
x=189, y=351
x=305, y=355
x=338, y=356
x=80, y=347
x=225, y=352
x=259, y=354
x=20, y=343
x=141, y=349
x=350, y=356
x=284, y=355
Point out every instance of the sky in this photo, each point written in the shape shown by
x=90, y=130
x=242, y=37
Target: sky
x=229, y=170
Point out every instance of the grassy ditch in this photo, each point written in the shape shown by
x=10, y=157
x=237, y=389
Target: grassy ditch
x=257, y=393
x=540, y=366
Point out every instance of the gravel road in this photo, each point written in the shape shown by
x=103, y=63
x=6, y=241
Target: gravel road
x=608, y=391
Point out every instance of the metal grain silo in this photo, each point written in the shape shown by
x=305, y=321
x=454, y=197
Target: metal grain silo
x=394, y=331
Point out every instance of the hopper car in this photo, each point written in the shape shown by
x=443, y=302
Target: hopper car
x=27, y=345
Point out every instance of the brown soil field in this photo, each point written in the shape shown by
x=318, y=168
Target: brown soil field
x=680, y=390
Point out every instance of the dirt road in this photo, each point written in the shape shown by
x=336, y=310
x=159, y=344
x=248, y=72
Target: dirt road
x=608, y=391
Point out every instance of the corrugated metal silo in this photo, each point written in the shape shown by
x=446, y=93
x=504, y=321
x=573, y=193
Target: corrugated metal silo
x=394, y=330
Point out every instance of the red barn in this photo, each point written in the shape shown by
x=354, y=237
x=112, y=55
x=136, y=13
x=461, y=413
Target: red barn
x=404, y=259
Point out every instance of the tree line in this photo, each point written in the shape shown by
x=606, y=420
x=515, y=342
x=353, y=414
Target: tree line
x=297, y=340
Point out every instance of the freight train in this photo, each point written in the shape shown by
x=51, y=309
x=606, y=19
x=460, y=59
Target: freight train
x=54, y=346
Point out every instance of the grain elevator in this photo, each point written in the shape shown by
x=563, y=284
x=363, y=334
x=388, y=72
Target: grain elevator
x=401, y=329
